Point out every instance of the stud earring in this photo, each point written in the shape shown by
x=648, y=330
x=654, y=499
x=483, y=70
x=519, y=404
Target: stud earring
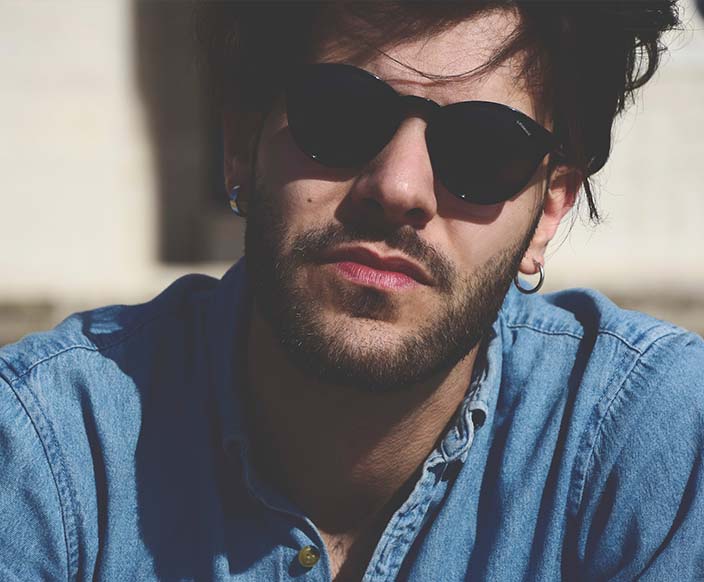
x=234, y=201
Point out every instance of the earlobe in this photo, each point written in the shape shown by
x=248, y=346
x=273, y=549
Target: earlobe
x=237, y=184
x=559, y=199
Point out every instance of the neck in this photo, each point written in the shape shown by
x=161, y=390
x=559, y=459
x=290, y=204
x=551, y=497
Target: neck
x=342, y=455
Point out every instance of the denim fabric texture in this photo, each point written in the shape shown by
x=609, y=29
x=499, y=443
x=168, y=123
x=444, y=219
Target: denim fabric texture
x=576, y=454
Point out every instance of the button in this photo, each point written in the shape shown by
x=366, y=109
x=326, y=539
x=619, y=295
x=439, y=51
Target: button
x=308, y=556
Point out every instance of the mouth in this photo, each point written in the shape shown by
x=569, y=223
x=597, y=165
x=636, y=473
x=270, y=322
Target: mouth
x=364, y=266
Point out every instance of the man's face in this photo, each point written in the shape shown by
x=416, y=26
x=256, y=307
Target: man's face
x=380, y=277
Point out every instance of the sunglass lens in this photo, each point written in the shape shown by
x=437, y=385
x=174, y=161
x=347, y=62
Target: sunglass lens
x=484, y=152
x=340, y=115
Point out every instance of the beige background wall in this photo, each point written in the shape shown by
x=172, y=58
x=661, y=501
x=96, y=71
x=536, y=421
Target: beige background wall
x=77, y=177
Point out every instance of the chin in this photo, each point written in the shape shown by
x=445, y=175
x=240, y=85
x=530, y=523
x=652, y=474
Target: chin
x=364, y=353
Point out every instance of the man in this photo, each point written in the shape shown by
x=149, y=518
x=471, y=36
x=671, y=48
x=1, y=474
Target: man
x=369, y=394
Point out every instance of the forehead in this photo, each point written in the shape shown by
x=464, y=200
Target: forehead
x=449, y=65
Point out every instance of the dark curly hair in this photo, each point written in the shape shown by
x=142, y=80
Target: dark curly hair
x=585, y=58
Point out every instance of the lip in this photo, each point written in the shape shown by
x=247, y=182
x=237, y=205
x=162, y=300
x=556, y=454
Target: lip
x=369, y=258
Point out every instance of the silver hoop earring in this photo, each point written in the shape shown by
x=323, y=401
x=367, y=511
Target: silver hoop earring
x=234, y=204
x=537, y=287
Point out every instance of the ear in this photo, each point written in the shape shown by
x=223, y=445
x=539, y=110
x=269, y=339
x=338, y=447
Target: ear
x=239, y=141
x=559, y=199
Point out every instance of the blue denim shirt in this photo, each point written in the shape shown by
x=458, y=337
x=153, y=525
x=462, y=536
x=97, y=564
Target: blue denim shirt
x=576, y=455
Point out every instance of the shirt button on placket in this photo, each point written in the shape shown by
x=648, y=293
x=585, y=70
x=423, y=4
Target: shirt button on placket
x=308, y=556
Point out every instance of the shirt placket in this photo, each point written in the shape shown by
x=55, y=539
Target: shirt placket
x=309, y=559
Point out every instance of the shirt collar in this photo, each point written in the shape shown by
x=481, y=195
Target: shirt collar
x=473, y=410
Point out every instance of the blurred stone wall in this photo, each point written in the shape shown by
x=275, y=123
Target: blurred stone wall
x=110, y=183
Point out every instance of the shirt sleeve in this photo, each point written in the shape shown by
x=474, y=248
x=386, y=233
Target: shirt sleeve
x=32, y=536
x=642, y=510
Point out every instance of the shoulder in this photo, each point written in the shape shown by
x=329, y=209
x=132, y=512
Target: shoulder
x=637, y=383
x=625, y=367
x=589, y=337
x=97, y=362
x=100, y=329
x=66, y=393
x=584, y=313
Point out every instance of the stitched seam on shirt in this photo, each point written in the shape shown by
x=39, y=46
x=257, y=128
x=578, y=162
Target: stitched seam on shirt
x=70, y=537
x=544, y=331
x=126, y=335
x=628, y=344
x=582, y=478
x=601, y=331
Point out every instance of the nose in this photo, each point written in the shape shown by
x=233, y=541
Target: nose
x=398, y=184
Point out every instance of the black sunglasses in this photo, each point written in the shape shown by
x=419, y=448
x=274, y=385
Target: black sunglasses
x=482, y=152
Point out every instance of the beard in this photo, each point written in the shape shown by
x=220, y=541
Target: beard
x=354, y=349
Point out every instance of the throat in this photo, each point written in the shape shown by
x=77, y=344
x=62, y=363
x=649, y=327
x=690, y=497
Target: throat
x=349, y=555
x=343, y=455
x=350, y=552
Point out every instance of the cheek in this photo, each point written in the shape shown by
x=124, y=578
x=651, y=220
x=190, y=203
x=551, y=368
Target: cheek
x=298, y=184
x=279, y=159
x=473, y=242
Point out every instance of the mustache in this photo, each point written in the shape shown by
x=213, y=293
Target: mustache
x=309, y=246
